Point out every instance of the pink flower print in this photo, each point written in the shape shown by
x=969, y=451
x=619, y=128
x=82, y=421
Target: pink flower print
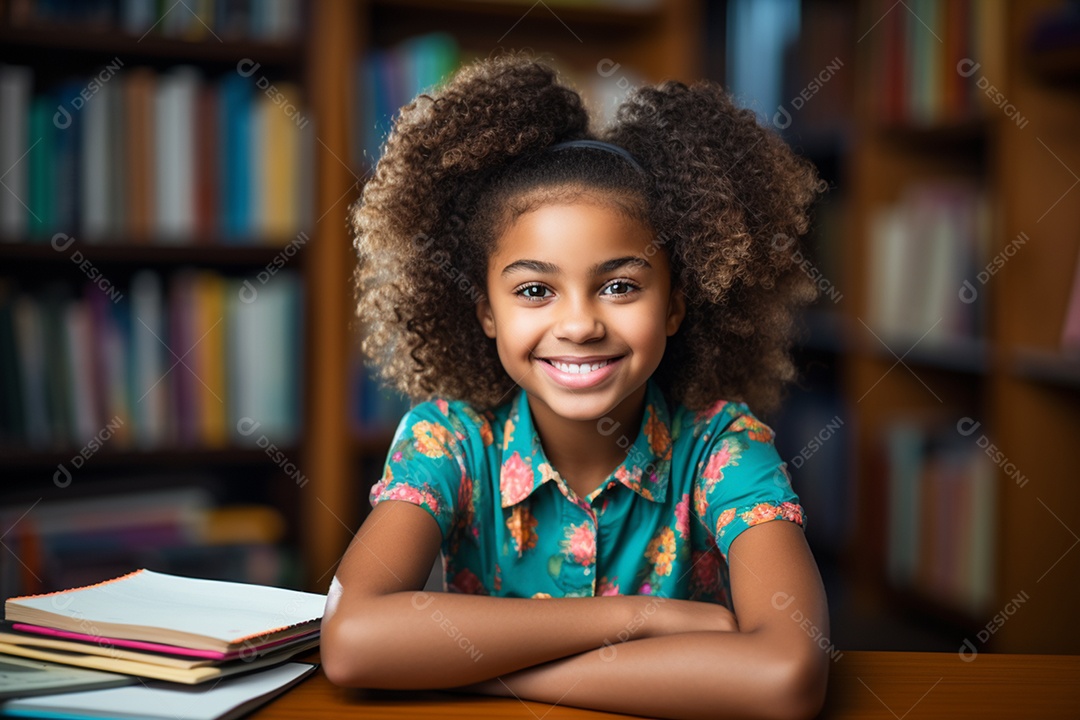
x=515, y=480
x=682, y=516
x=444, y=407
x=396, y=457
x=580, y=544
x=791, y=511
x=645, y=589
x=410, y=494
x=466, y=582
x=606, y=587
x=714, y=469
x=630, y=478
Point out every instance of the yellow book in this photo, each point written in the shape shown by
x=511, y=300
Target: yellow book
x=211, y=389
x=188, y=676
x=280, y=105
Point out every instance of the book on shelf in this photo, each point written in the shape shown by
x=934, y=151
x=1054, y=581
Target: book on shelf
x=182, y=530
x=166, y=157
x=208, y=20
x=936, y=61
x=1070, y=334
x=389, y=78
x=205, y=629
x=230, y=698
x=928, y=254
x=941, y=513
x=196, y=359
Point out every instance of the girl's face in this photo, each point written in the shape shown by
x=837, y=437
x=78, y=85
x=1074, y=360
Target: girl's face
x=580, y=305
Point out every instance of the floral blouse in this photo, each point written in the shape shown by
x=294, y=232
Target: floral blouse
x=661, y=524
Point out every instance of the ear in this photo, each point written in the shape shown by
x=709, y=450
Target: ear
x=676, y=311
x=484, y=315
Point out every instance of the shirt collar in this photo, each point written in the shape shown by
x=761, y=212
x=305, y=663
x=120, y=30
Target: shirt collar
x=645, y=469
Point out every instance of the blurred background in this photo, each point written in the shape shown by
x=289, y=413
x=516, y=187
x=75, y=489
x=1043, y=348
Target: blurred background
x=180, y=383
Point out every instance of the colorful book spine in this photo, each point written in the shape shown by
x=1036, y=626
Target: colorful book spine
x=142, y=156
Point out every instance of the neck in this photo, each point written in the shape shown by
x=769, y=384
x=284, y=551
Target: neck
x=585, y=452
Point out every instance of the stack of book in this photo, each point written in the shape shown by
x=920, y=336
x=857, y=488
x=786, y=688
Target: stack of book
x=164, y=627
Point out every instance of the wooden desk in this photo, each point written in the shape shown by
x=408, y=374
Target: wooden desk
x=912, y=686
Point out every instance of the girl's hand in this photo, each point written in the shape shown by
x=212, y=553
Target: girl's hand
x=663, y=616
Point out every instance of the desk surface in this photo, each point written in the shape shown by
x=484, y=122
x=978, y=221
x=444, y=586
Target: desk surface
x=919, y=686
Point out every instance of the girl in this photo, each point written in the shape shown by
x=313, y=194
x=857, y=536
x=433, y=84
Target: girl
x=591, y=322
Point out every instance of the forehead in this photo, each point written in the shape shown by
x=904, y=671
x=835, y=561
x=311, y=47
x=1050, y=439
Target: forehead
x=575, y=233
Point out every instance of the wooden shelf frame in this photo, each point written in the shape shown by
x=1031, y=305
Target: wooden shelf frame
x=1022, y=393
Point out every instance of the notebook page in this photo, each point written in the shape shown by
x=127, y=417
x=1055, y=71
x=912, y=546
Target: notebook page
x=225, y=611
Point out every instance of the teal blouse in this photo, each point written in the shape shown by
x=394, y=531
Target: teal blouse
x=661, y=524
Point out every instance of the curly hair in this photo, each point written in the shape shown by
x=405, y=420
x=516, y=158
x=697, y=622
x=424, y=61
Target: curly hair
x=726, y=199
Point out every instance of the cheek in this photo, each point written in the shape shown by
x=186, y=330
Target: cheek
x=518, y=330
x=648, y=330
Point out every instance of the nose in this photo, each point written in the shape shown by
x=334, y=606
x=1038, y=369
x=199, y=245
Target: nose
x=579, y=321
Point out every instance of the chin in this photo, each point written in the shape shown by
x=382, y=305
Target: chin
x=585, y=406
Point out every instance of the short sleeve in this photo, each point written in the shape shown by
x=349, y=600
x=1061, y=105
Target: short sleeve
x=743, y=482
x=426, y=463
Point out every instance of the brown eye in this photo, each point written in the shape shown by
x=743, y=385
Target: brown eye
x=532, y=292
x=619, y=287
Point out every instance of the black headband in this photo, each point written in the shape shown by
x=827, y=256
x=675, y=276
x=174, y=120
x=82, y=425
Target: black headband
x=601, y=145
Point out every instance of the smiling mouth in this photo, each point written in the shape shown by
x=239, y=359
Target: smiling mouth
x=580, y=368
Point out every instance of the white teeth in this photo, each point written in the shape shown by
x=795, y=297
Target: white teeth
x=575, y=369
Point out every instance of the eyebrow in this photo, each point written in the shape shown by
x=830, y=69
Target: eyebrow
x=601, y=268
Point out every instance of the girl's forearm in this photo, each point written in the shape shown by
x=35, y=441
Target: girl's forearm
x=409, y=640
x=689, y=675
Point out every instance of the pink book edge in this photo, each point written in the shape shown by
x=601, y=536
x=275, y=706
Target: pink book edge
x=155, y=647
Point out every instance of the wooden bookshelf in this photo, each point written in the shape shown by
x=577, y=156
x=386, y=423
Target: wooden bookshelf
x=242, y=473
x=1014, y=381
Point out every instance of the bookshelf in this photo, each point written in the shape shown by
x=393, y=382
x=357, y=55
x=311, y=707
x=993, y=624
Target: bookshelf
x=1009, y=375
x=163, y=492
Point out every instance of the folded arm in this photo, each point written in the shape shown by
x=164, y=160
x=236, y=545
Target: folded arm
x=773, y=667
x=381, y=632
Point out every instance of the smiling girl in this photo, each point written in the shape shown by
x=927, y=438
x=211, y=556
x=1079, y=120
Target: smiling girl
x=587, y=323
